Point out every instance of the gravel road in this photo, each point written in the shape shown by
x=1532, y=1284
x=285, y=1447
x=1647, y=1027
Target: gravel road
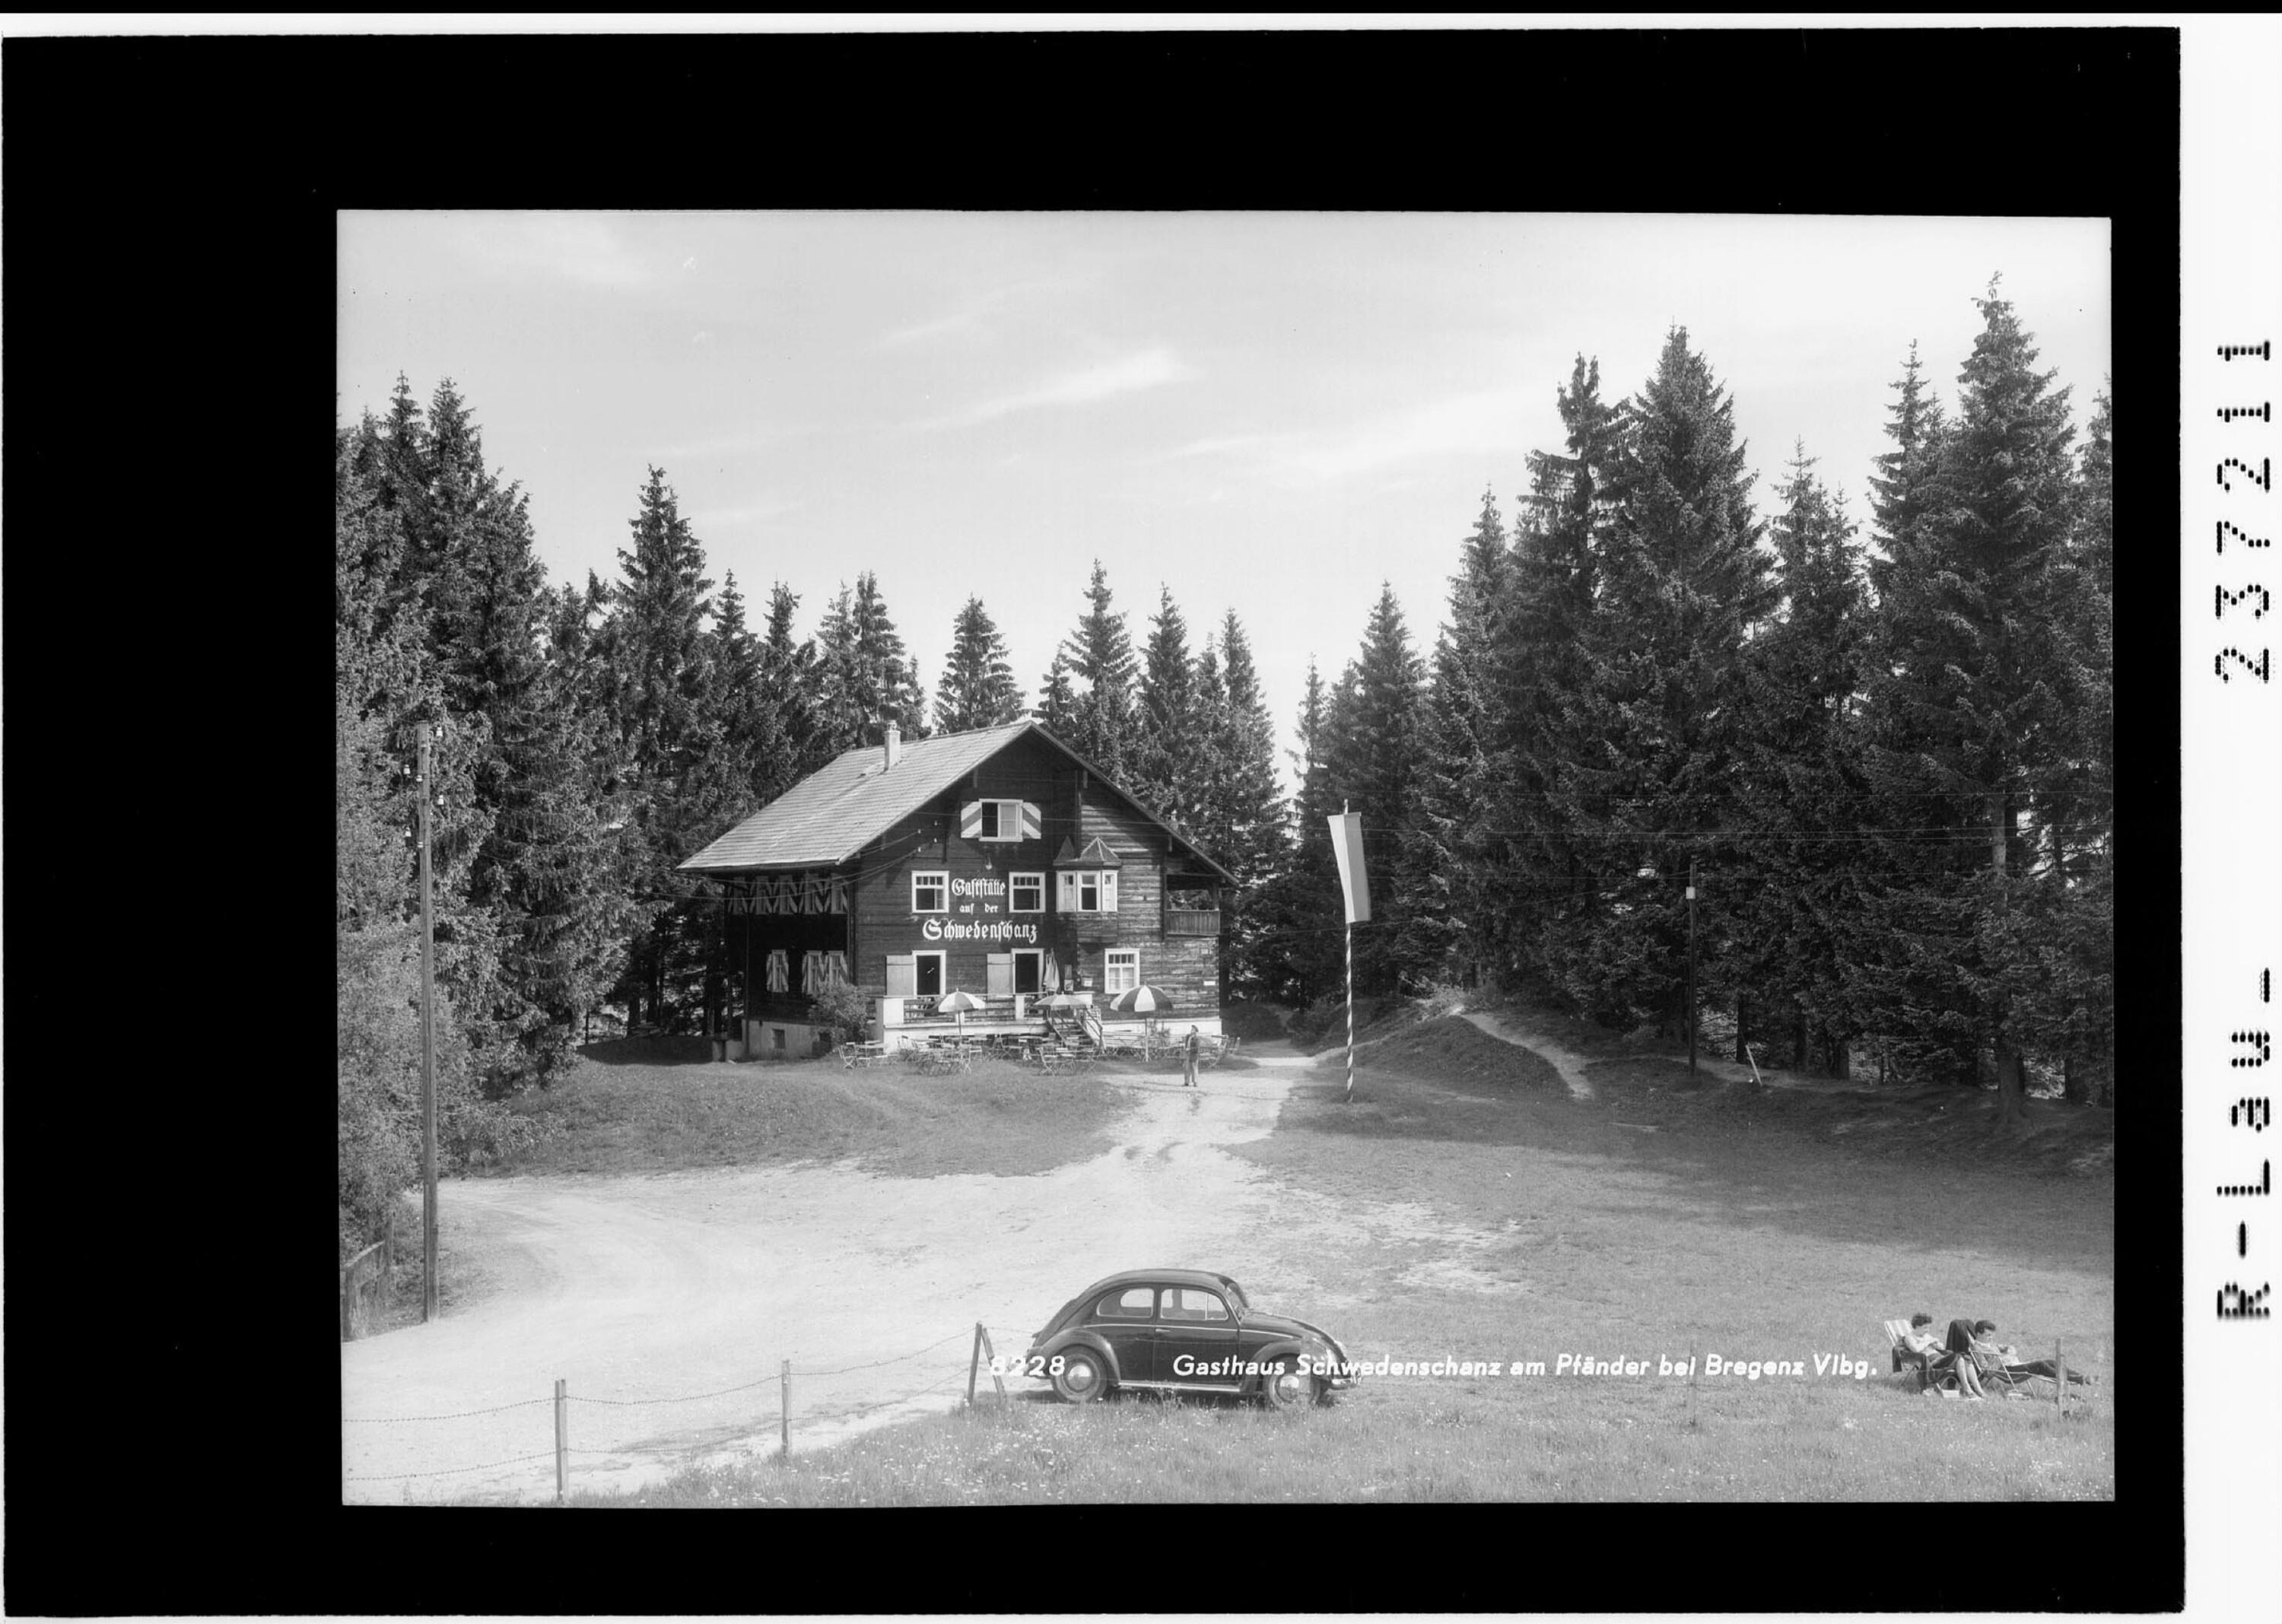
x=667, y=1288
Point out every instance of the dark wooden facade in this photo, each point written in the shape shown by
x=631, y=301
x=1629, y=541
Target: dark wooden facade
x=980, y=933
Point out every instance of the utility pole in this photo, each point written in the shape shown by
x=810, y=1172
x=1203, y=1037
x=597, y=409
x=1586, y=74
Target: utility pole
x=1691, y=966
x=427, y=1046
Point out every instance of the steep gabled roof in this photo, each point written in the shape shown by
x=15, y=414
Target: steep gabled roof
x=854, y=799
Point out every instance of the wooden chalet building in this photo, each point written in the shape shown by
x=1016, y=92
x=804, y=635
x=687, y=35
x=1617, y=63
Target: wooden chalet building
x=995, y=862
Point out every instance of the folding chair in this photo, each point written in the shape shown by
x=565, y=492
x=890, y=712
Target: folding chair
x=1933, y=1369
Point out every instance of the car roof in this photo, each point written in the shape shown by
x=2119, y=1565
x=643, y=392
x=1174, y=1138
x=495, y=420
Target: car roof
x=1160, y=1277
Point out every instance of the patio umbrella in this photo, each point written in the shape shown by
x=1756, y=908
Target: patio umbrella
x=959, y=1003
x=1143, y=1000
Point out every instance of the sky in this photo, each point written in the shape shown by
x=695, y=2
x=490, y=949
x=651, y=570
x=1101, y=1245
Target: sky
x=1268, y=412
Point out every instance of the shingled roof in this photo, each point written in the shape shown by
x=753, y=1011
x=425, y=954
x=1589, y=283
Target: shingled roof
x=854, y=799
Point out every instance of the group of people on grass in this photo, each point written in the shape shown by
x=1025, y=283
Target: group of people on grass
x=1971, y=1351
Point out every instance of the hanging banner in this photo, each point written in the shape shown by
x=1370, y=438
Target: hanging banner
x=1347, y=846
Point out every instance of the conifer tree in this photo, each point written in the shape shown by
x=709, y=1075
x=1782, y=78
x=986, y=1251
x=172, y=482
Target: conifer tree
x=1681, y=585
x=862, y=679
x=1453, y=853
x=977, y=688
x=1793, y=887
x=2076, y=995
x=788, y=682
x=1100, y=655
x=1373, y=735
x=1549, y=894
x=1969, y=739
x=1299, y=948
x=1247, y=821
x=660, y=660
x=1057, y=707
x=1167, y=765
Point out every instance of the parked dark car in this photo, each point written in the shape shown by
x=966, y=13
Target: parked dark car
x=1183, y=1330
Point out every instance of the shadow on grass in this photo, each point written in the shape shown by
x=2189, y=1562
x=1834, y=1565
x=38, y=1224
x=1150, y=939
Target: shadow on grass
x=1916, y=1173
x=658, y=1050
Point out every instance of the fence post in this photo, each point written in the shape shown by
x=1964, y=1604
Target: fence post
x=973, y=1364
x=2059, y=1365
x=562, y=1441
x=784, y=1413
x=992, y=1354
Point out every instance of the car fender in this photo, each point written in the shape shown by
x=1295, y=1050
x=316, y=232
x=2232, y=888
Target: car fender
x=1087, y=1339
x=1288, y=1349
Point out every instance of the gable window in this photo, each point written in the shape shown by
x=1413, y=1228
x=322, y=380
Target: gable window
x=1026, y=893
x=1088, y=891
x=1121, y=969
x=998, y=820
x=931, y=890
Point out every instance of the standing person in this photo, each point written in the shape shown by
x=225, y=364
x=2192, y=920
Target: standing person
x=1189, y=1060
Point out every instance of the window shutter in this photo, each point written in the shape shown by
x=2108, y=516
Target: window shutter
x=1032, y=821
x=902, y=975
x=1067, y=903
x=1109, y=891
x=998, y=975
x=970, y=821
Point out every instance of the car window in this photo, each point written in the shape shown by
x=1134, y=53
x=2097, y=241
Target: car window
x=1187, y=1303
x=1134, y=1302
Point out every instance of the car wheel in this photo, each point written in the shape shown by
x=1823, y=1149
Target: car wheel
x=1082, y=1377
x=1288, y=1388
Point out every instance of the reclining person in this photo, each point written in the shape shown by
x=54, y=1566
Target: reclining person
x=2007, y=1357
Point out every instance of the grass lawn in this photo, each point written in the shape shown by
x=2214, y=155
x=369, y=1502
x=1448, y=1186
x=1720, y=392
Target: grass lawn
x=1653, y=1223
x=656, y=1106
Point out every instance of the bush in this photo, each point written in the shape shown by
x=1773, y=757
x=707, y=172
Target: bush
x=845, y=1009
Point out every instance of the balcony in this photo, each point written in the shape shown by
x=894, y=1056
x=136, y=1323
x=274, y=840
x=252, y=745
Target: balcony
x=1193, y=921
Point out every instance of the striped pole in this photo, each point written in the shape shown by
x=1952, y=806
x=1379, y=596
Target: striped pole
x=1350, y=1094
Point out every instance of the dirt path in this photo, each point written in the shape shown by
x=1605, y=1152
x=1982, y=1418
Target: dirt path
x=1561, y=1058
x=639, y=1289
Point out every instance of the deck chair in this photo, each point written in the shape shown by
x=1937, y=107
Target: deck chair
x=1933, y=1369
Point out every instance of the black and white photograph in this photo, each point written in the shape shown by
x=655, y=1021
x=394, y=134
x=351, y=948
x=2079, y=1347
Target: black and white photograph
x=1339, y=793
x=1225, y=857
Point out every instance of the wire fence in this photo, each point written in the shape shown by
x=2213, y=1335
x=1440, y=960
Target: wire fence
x=565, y=1404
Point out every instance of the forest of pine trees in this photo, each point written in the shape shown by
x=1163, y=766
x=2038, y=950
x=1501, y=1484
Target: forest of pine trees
x=1884, y=754
x=1883, y=746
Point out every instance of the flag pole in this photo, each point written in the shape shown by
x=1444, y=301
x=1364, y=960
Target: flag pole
x=1350, y=936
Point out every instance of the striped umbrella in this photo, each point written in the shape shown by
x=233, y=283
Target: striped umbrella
x=1143, y=1000
x=959, y=1003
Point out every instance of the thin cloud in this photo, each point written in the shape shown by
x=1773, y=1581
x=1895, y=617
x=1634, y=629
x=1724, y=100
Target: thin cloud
x=749, y=513
x=942, y=327
x=1148, y=370
x=577, y=247
x=1477, y=422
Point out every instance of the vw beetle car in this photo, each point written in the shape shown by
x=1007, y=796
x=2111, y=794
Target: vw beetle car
x=1183, y=1330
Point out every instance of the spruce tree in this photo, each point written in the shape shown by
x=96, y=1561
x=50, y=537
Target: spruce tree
x=1681, y=586
x=1549, y=893
x=1248, y=819
x=1300, y=947
x=2075, y=996
x=862, y=679
x=1373, y=744
x=788, y=683
x=1099, y=655
x=1057, y=707
x=1792, y=887
x=660, y=661
x=977, y=688
x=1453, y=851
x=1970, y=742
x=1167, y=765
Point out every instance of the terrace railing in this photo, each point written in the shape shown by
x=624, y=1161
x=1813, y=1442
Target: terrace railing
x=1192, y=921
